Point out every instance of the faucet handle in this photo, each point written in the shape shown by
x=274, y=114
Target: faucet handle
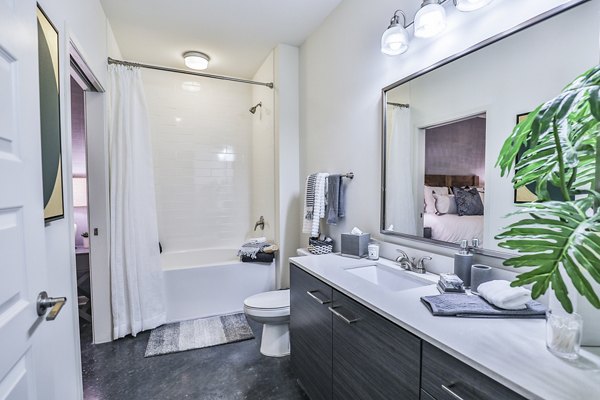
x=421, y=264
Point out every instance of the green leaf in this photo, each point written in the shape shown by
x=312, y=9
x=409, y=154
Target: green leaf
x=558, y=236
x=576, y=111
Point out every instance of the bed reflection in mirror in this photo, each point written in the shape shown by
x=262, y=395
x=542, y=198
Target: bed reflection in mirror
x=447, y=177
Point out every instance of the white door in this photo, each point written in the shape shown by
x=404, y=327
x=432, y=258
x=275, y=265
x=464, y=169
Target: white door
x=25, y=360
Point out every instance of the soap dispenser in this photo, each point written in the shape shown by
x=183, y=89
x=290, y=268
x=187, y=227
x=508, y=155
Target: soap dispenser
x=462, y=263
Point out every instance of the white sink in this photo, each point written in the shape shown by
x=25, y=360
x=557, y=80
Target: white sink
x=389, y=278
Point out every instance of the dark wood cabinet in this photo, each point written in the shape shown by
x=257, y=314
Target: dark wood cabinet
x=372, y=357
x=446, y=378
x=311, y=333
x=342, y=350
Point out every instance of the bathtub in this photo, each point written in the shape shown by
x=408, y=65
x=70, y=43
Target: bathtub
x=207, y=282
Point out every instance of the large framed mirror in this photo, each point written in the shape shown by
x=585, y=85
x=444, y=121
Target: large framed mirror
x=443, y=127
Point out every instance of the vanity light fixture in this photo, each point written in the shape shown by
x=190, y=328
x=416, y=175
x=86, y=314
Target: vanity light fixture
x=430, y=19
x=196, y=60
x=395, y=40
x=470, y=5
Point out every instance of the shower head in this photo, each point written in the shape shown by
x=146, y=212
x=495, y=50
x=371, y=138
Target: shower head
x=253, y=109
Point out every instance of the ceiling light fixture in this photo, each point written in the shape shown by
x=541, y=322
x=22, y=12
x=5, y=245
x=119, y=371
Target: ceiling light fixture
x=395, y=40
x=196, y=60
x=430, y=19
x=470, y=5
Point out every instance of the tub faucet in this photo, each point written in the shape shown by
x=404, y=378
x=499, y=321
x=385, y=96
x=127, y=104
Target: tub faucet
x=261, y=223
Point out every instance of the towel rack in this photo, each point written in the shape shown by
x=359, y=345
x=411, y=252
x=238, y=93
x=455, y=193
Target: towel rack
x=349, y=175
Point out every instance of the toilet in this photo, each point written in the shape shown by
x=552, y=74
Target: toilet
x=272, y=309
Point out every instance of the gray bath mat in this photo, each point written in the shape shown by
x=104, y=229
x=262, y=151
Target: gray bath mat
x=198, y=333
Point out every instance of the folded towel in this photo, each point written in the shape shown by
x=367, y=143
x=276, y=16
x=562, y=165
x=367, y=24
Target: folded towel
x=501, y=294
x=250, y=249
x=257, y=240
x=334, y=183
x=471, y=306
x=261, y=257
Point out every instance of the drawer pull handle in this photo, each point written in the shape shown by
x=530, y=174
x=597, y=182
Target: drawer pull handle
x=342, y=317
x=451, y=392
x=318, y=300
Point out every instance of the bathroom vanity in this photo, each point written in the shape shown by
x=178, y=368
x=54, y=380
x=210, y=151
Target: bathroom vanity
x=359, y=331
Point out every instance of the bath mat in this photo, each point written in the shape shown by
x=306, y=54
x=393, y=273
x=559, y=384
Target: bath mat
x=198, y=333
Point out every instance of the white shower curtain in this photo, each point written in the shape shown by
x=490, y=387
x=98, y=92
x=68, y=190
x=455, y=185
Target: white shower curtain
x=137, y=290
x=400, y=197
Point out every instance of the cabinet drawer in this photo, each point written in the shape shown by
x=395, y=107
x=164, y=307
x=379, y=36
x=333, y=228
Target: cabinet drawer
x=446, y=378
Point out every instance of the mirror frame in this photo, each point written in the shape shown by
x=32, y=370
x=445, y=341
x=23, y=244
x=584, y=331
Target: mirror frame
x=491, y=40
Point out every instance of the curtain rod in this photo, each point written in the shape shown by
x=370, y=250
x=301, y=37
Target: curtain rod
x=182, y=71
x=398, y=105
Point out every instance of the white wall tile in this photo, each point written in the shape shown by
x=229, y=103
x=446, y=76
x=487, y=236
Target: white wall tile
x=202, y=144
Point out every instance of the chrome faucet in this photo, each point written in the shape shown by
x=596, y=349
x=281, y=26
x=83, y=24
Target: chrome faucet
x=261, y=223
x=405, y=261
x=409, y=264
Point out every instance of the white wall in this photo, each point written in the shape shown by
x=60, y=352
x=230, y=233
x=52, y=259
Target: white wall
x=342, y=73
x=85, y=24
x=201, y=141
x=287, y=141
x=263, y=152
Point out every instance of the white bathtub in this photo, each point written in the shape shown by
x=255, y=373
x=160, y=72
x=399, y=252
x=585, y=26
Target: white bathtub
x=207, y=282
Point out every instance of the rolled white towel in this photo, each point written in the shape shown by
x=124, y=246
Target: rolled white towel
x=502, y=295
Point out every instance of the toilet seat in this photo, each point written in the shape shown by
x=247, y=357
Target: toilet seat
x=273, y=300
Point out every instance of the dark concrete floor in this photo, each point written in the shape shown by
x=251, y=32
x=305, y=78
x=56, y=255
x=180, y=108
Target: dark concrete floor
x=119, y=371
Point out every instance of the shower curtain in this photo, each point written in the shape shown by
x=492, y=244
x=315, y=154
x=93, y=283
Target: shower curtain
x=400, y=197
x=137, y=291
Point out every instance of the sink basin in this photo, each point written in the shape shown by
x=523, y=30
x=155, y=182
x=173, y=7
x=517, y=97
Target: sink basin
x=388, y=278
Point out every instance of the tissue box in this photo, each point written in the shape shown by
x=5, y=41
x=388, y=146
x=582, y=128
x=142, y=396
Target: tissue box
x=355, y=245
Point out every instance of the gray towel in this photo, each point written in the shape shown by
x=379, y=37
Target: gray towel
x=463, y=305
x=336, y=199
x=333, y=198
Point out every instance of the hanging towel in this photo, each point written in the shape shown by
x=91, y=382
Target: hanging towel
x=309, y=201
x=334, y=186
x=319, y=204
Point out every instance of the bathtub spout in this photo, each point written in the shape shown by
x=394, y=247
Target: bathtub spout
x=261, y=223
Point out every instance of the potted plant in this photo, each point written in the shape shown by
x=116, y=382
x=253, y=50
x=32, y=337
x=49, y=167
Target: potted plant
x=558, y=147
x=86, y=240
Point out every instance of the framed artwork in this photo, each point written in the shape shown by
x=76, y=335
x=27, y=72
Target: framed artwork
x=524, y=194
x=50, y=118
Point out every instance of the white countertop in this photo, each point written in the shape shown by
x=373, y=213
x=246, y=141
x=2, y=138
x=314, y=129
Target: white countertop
x=512, y=351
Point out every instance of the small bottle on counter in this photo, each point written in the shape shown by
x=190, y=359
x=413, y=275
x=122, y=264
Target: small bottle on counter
x=463, y=260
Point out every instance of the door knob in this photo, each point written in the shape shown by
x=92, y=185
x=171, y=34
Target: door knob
x=44, y=302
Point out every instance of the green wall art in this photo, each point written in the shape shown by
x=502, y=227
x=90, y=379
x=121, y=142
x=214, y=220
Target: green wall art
x=50, y=118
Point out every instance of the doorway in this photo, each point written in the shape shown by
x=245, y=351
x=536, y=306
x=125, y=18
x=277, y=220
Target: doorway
x=81, y=241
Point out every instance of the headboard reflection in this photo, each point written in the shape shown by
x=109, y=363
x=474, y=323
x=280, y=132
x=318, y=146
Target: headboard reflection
x=451, y=180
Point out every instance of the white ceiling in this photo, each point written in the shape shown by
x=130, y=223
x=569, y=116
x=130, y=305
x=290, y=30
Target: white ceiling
x=237, y=34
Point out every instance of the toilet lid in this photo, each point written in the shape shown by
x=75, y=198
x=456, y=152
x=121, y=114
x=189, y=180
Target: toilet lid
x=274, y=299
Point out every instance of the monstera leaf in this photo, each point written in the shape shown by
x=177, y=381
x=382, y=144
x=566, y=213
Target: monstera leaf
x=560, y=141
x=555, y=235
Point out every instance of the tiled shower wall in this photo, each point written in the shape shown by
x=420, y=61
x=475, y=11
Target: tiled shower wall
x=201, y=136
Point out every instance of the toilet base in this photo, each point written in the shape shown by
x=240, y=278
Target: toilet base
x=275, y=341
